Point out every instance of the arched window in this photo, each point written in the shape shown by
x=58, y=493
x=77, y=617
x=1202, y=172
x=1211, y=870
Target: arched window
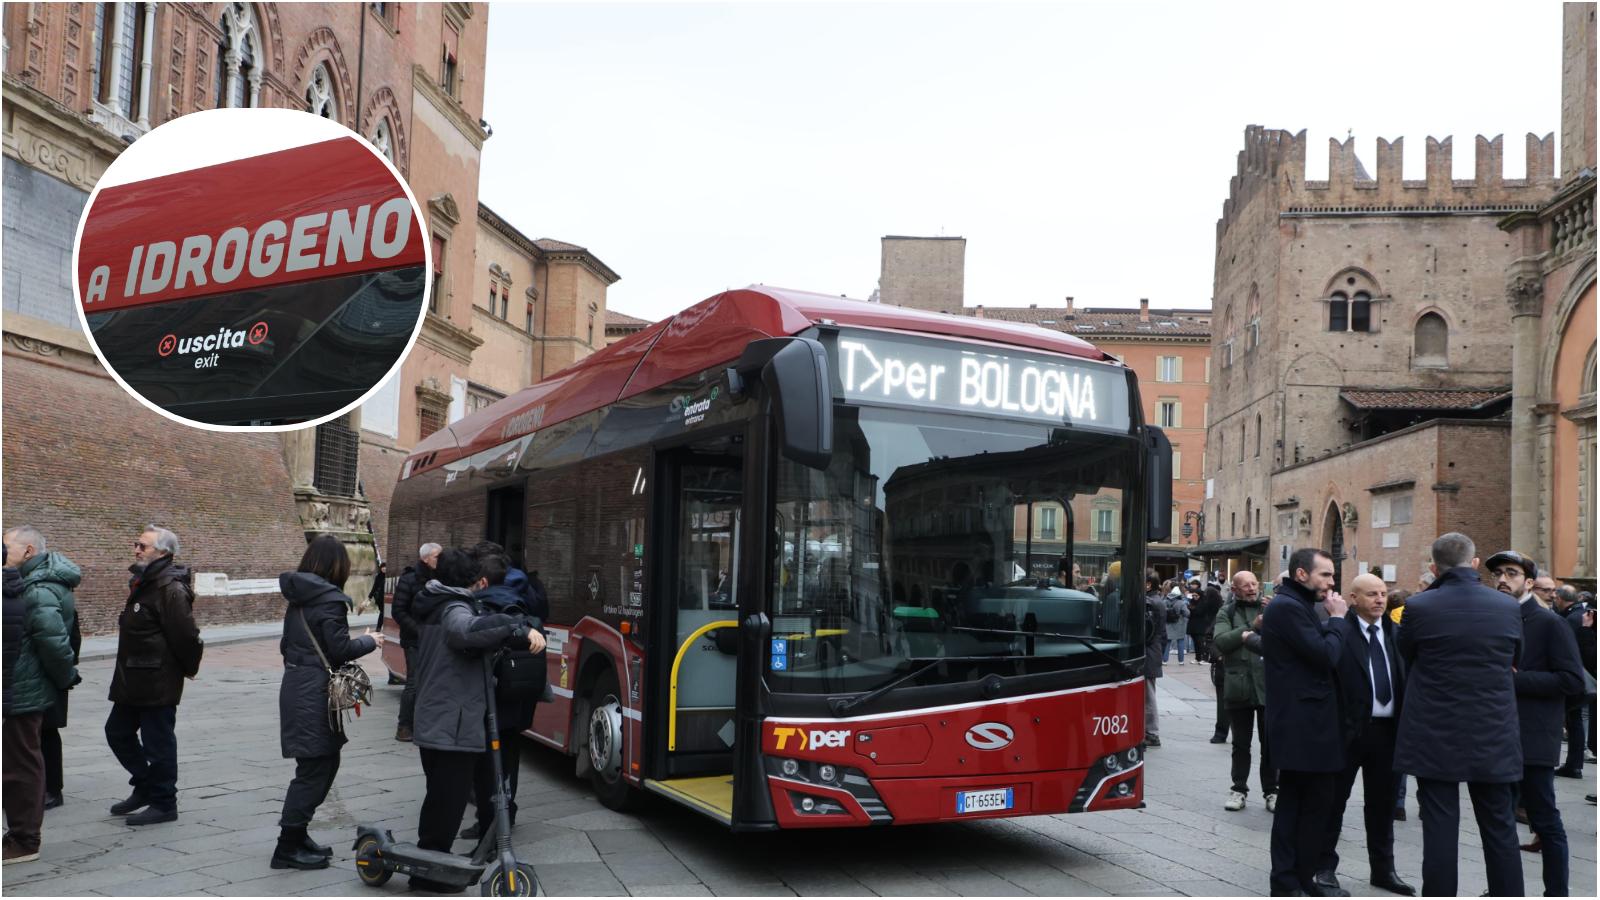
x=319, y=94
x=1248, y=504
x=1339, y=312
x=1350, y=296
x=1431, y=342
x=238, y=73
x=1258, y=435
x=1242, y=428
x=1252, y=324
x=1361, y=312
x=383, y=138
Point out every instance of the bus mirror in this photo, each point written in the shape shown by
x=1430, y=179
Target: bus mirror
x=794, y=372
x=1158, y=485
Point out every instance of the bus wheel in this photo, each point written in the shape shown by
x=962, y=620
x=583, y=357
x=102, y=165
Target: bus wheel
x=605, y=744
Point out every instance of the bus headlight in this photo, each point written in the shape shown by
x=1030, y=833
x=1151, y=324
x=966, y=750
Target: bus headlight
x=790, y=767
x=1113, y=763
x=827, y=773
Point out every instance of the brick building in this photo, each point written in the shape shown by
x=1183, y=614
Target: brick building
x=923, y=273
x=1170, y=352
x=1328, y=293
x=533, y=325
x=1551, y=289
x=88, y=464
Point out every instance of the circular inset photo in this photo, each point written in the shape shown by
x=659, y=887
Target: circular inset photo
x=251, y=269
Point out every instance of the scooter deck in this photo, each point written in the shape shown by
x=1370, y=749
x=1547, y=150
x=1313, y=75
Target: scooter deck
x=451, y=862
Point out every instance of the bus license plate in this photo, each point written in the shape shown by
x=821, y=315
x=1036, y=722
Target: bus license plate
x=983, y=801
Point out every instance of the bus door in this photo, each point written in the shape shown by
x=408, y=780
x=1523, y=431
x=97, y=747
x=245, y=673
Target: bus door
x=697, y=633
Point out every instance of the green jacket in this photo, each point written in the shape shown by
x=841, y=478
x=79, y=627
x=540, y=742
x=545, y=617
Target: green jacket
x=44, y=668
x=1244, y=679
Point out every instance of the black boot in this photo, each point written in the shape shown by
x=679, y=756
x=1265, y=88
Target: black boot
x=320, y=849
x=135, y=802
x=52, y=799
x=292, y=854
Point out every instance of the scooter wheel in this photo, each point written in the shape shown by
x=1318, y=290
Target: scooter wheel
x=369, y=863
x=518, y=881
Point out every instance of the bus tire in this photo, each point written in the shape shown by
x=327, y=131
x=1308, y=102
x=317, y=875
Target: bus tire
x=605, y=743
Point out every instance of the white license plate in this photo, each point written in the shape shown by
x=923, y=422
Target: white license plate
x=983, y=801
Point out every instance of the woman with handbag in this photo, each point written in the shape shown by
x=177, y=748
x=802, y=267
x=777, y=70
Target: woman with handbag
x=316, y=645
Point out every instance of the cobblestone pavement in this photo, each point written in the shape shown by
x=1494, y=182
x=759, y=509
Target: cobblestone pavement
x=232, y=779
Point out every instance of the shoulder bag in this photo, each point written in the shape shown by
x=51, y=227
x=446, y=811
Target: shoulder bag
x=348, y=685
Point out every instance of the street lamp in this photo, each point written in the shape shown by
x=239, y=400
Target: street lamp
x=1199, y=520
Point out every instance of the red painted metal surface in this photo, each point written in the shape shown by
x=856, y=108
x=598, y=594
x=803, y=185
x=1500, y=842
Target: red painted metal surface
x=917, y=761
x=282, y=205
x=712, y=332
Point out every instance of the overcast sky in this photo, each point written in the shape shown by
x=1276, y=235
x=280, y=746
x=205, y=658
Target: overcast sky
x=1081, y=148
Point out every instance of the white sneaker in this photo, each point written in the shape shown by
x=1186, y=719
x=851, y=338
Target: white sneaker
x=1272, y=803
x=1235, y=802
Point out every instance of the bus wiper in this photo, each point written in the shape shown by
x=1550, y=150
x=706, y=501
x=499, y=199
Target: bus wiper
x=843, y=705
x=1115, y=662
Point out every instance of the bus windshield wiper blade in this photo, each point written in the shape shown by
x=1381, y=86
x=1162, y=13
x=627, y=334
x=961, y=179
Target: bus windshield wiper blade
x=844, y=705
x=1119, y=664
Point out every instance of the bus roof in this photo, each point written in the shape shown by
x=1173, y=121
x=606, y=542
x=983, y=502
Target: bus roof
x=713, y=331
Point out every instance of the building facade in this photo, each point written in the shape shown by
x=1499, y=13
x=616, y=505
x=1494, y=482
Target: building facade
x=91, y=466
x=533, y=324
x=923, y=273
x=1550, y=287
x=1327, y=293
x=1170, y=352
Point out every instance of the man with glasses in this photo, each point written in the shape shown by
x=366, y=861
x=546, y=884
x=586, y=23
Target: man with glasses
x=1548, y=674
x=158, y=646
x=1544, y=591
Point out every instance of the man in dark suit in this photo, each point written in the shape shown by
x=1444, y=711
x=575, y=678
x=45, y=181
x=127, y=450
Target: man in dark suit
x=1550, y=672
x=1371, y=686
x=1459, y=641
x=1302, y=657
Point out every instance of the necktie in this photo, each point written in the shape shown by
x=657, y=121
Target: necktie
x=1380, y=668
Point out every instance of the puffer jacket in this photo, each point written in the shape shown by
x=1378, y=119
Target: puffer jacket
x=405, y=588
x=1244, y=677
x=158, y=643
x=58, y=576
x=43, y=670
x=303, y=726
x=452, y=705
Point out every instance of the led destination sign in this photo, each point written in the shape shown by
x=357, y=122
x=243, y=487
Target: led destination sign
x=967, y=378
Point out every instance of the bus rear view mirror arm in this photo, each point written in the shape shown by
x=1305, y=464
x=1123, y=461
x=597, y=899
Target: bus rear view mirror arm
x=794, y=372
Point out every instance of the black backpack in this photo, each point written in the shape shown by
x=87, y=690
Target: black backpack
x=1174, y=615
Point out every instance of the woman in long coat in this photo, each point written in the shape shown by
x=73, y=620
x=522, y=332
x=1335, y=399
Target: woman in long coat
x=317, y=606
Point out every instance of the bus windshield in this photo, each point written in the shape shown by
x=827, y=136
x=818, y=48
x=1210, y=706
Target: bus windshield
x=996, y=546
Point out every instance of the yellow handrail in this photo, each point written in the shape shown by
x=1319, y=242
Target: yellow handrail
x=672, y=688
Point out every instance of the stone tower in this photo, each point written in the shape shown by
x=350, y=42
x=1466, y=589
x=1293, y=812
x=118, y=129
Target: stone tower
x=923, y=272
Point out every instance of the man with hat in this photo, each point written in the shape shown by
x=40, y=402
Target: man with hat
x=1549, y=673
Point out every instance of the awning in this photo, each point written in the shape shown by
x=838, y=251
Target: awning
x=1155, y=552
x=1415, y=400
x=1256, y=546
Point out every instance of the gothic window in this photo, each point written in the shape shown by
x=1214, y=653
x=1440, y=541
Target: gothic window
x=122, y=58
x=1339, y=313
x=383, y=138
x=238, y=72
x=319, y=94
x=1248, y=503
x=1242, y=428
x=1252, y=325
x=1431, y=341
x=1361, y=312
x=1258, y=435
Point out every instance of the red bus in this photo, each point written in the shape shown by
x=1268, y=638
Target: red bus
x=792, y=547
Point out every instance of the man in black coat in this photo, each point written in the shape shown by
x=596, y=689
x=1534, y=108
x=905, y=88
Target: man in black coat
x=1371, y=689
x=1460, y=641
x=1155, y=628
x=1302, y=656
x=1203, y=617
x=1580, y=619
x=1548, y=675
x=158, y=646
x=412, y=580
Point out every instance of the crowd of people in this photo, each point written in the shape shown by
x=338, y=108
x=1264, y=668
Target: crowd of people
x=454, y=607
x=1318, y=687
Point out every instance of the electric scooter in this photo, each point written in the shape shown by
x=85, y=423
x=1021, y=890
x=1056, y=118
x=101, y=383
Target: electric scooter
x=379, y=856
